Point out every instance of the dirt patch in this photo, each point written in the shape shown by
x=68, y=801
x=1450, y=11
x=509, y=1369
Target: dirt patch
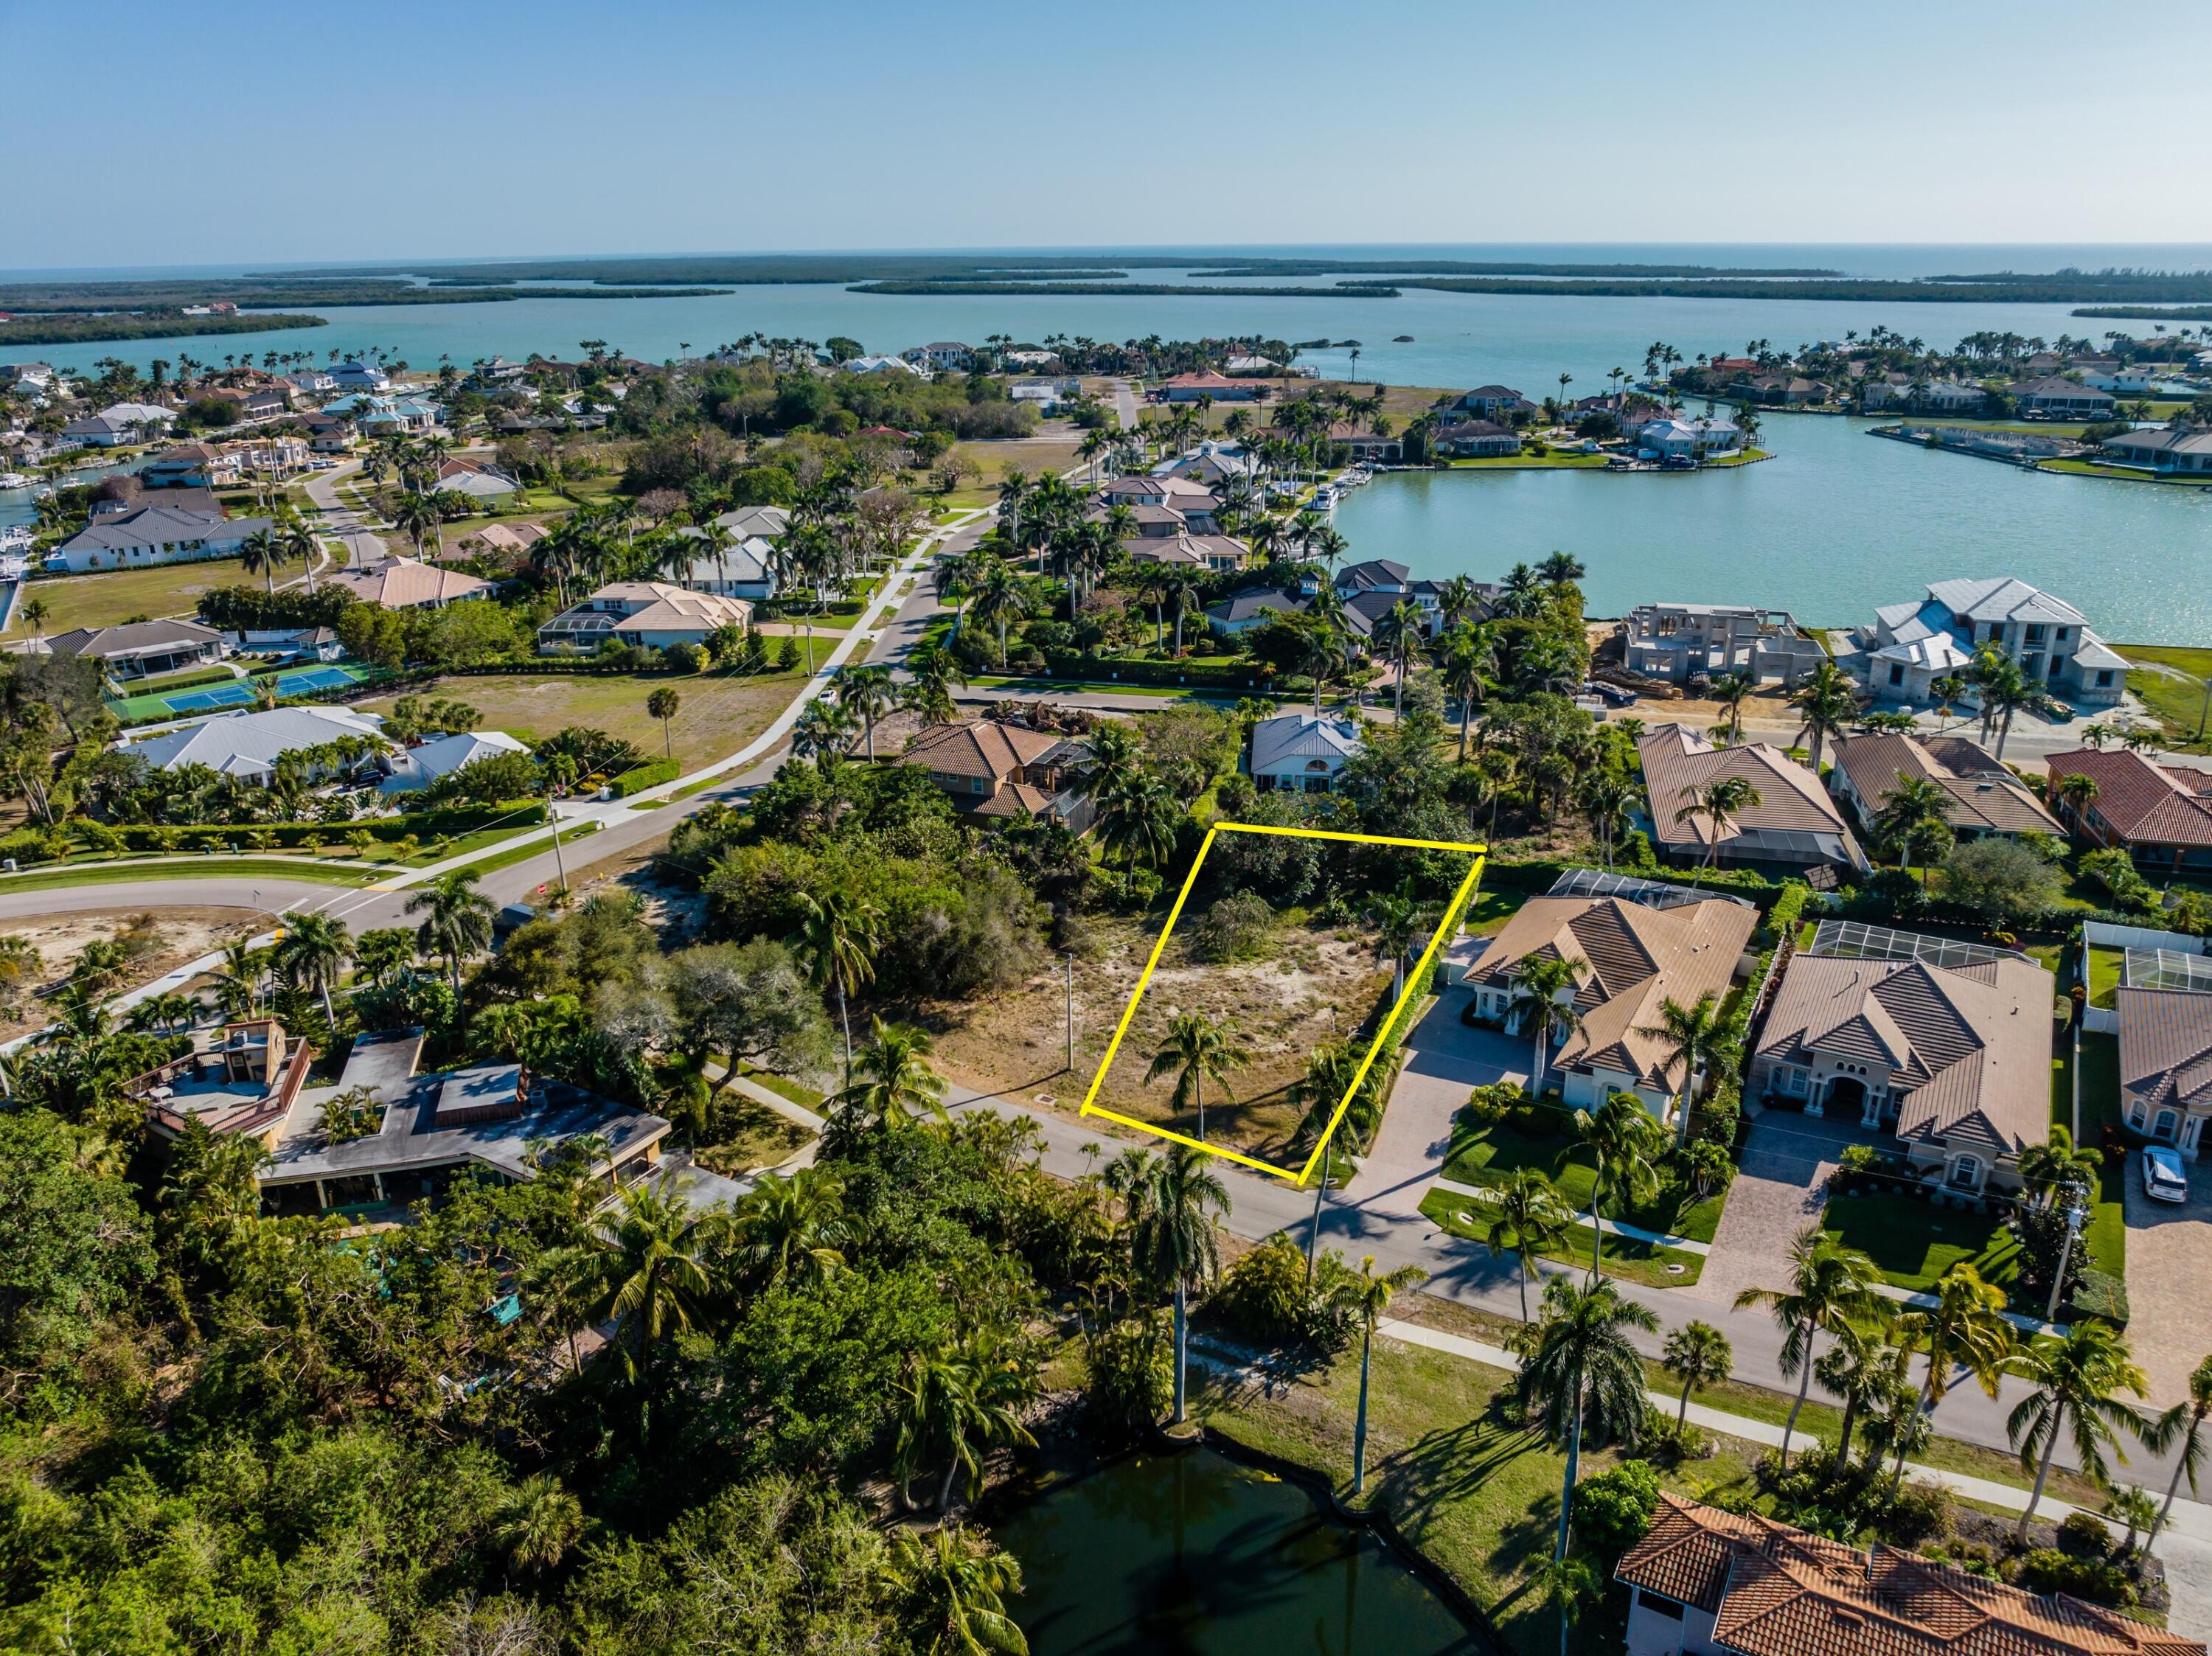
x=183, y=934
x=1315, y=984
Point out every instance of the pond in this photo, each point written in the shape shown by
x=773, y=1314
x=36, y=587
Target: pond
x=1192, y=1553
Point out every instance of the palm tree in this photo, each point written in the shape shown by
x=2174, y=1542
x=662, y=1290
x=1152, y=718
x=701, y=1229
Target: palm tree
x=1867, y=1366
x=836, y=936
x=1731, y=690
x=1000, y=597
x=664, y=704
x=1561, y=569
x=1697, y=1037
x=1696, y=1354
x=33, y=612
x=1469, y=658
x=313, y=951
x=1915, y=817
x=2073, y=791
x=959, y=1585
x=457, y=919
x=238, y=983
x=1826, y=702
x=2181, y=1426
x=1610, y=797
x=1580, y=1370
x=2051, y=1168
x=1367, y=1296
x=868, y=693
x=795, y=1228
x=1397, y=920
x=259, y=554
x=415, y=515
x=1829, y=1285
x=1399, y=633
x=1719, y=801
x=643, y=1264
x=1140, y=820
x=892, y=1081
x=2077, y=1381
x=301, y=546
x=537, y=1524
x=1531, y=1219
x=1194, y=1047
x=1537, y=981
x=1964, y=1331
x=822, y=732
x=1625, y=1141
x=1173, y=1235
x=2004, y=690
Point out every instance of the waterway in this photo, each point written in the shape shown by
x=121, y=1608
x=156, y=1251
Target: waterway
x=1192, y=1554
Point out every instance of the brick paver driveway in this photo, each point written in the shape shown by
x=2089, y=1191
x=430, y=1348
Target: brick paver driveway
x=2170, y=1314
x=1444, y=1061
x=1780, y=1188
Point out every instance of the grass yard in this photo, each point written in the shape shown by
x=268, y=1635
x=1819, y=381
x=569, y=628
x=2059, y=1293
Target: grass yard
x=2106, y=1235
x=2075, y=468
x=2105, y=968
x=720, y=714
x=191, y=868
x=2171, y=682
x=792, y=1092
x=1488, y=912
x=1623, y=1257
x=1052, y=450
x=1488, y=1155
x=749, y=1136
x=1554, y=461
x=119, y=595
x=1913, y=1243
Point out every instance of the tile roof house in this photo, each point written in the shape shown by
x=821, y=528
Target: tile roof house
x=155, y=534
x=1794, y=826
x=1985, y=798
x=1477, y=440
x=1301, y=752
x=1190, y=387
x=139, y=647
x=988, y=769
x=1240, y=612
x=2160, y=814
x=119, y=423
x=2166, y=1063
x=1954, y=1059
x=408, y=584
x=1489, y=403
x=1222, y=554
x=1704, y=1582
x=766, y=523
x=1633, y=958
x=652, y=615
x=247, y=745
x=733, y=569
x=504, y=537
x=2057, y=396
x=1698, y=439
x=2178, y=451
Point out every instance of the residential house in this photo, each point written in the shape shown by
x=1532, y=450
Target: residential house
x=1477, y=440
x=2059, y=398
x=202, y=501
x=1367, y=446
x=1631, y=954
x=289, y=643
x=265, y=450
x=477, y=480
x=734, y=569
x=138, y=648
x=1191, y=387
x=650, y=614
x=1704, y=1582
x=1630, y=409
x=30, y=377
x=2131, y=379
x=502, y=539
x=1954, y=1059
x=1914, y=644
x=1698, y=439
x=153, y=534
x=410, y=770
x=2173, y=452
x=354, y=375
x=119, y=423
x=766, y=523
x=2160, y=814
x=2166, y=1063
x=408, y=584
x=240, y=1080
x=1301, y=752
x=1498, y=403
x=1240, y=612
x=877, y=365
x=1795, y=826
x=941, y=355
x=327, y=435
x=247, y=745
x=1784, y=390
x=191, y=465
x=1982, y=796
x=1211, y=464
x=490, y=1121
x=313, y=382
x=384, y=417
x=1678, y=642
x=991, y=769
x=1221, y=553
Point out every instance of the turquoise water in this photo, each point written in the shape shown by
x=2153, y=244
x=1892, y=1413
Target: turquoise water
x=1837, y=522
x=1195, y=1554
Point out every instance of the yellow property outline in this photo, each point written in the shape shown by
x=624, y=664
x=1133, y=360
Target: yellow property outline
x=1415, y=981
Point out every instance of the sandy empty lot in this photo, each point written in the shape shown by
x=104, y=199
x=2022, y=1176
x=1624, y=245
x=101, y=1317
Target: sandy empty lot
x=186, y=934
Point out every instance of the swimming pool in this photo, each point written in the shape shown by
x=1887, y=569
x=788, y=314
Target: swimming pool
x=242, y=691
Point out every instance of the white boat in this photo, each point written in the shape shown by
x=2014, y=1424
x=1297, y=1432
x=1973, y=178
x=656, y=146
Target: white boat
x=1324, y=500
x=15, y=480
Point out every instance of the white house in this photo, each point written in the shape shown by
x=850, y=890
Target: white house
x=354, y=375
x=1915, y=643
x=247, y=745
x=119, y=423
x=940, y=355
x=313, y=381
x=1695, y=439
x=152, y=534
x=734, y=569
x=877, y=365
x=412, y=769
x=2131, y=381
x=1299, y=753
x=651, y=615
x=767, y=522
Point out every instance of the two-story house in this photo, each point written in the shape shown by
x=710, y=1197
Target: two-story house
x=1914, y=644
x=992, y=769
x=2160, y=814
x=1678, y=642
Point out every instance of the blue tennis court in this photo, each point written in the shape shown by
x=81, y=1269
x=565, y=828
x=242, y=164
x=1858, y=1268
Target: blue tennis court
x=240, y=693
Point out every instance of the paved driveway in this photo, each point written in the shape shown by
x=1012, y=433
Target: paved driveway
x=1779, y=1189
x=2170, y=1314
x=1444, y=1061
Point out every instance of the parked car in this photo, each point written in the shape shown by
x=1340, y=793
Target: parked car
x=2162, y=1175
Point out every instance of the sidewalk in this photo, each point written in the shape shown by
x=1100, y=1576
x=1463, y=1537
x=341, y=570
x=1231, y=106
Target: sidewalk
x=1613, y=1226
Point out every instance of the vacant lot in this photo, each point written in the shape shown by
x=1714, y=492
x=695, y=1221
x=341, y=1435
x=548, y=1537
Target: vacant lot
x=720, y=714
x=2172, y=680
x=1051, y=450
x=180, y=934
x=1314, y=984
x=124, y=594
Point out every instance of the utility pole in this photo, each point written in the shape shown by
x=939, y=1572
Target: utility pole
x=2205, y=713
x=1313, y=1238
x=1068, y=960
x=2065, y=1253
x=559, y=862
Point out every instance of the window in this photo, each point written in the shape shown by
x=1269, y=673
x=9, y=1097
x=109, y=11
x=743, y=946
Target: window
x=1658, y=1605
x=1896, y=673
x=1966, y=1172
x=2105, y=679
x=1793, y=1082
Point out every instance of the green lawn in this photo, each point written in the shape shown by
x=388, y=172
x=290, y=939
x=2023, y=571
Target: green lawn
x=1623, y=1255
x=2176, y=696
x=1913, y=1243
x=193, y=868
x=1488, y=914
x=2106, y=1235
x=795, y=1092
x=2120, y=473
x=543, y=848
x=118, y=596
x=1555, y=461
x=2105, y=966
x=1489, y=1156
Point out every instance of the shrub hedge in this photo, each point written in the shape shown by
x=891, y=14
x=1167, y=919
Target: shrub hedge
x=1205, y=675
x=638, y=777
x=39, y=845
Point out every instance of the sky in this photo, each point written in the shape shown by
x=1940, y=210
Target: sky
x=241, y=133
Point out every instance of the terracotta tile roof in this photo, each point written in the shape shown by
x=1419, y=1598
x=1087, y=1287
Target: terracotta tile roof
x=403, y=584
x=1791, y=799
x=2147, y=804
x=979, y=747
x=1773, y=1591
x=1985, y=797
x=1637, y=957
x=1969, y=1049
x=2166, y=1046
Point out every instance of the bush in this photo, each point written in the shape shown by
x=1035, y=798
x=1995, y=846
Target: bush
x=1131, y=1374
x=638, y=777
x=1263, y=1295
x=1236, y=928
x=1220, y=674
x=1998, y=879
x=2048, y=1570
x=2083, y=1535
x=1614, y=1509
x=1489, y=1105
x=2100, y=1293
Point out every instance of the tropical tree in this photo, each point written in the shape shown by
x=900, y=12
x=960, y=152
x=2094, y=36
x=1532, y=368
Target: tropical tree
x=2181, y=1429
x=959, y=1585
x=998, y=597
x=2051, y=1168
x=1579, y=1370
x=1626, y=1142
x=536, y=1523
x=1696, y=1354
x=1915, y=817
x=1397, y=920
x=957, y=1404
x=1697, y=1037
x=795, y=1228
x=642, y=1267
x=1173, y=1237
x=868, y=693
x=1826, y=702
x=1610, y=797
x=2075, y=791
x=1731, y=690
x=664, y=704
x=1194, y=1047
x=1399, y=634
x=1466, y=662
x=457, y=919
x=312, y=951
x=1537, y=982
x=892, y=1082
x=1829, y=1285
x=1139, y=819
x=836, y=943
x=1531, y=1219
x=2077, y=1381
x=822, y=732
x=34, y=613
x=259, y=554
x=1719, y=800
x=1367, y=1296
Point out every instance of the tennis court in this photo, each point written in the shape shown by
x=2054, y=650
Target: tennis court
x=242, y=692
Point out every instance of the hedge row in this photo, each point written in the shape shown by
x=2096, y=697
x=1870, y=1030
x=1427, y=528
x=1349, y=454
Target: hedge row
x=40, y=844
x=1536, y=875
x=638, y=777
x=1214, y=675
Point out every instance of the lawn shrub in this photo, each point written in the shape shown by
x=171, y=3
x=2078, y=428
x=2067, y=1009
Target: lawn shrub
x=2099, y=1294
x=641, y=777
x=1236, y=928
x=2101, y=1583
x=1614, y=1509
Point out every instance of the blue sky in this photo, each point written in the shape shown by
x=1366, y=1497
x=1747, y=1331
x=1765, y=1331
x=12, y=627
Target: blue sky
x=150, y=135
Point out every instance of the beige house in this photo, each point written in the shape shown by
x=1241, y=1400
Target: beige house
x=1795, y=826
x=992, y=769
x=408, y=584
x=2166, y=1064
x=1983, y=797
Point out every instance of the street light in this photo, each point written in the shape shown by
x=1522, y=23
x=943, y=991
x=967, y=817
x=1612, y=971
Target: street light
x=2075, y=1194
